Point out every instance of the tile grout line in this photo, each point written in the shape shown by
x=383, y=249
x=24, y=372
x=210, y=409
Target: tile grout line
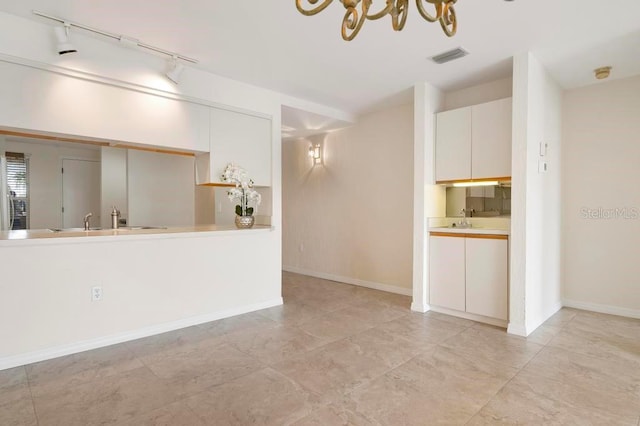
x=510, y=380
x=33, y=402
x=183, y=398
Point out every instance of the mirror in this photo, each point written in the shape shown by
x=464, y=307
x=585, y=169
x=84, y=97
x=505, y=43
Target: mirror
x=480, y=201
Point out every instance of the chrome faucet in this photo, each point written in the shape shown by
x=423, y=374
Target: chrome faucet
x=87, y=225
x=463, y=221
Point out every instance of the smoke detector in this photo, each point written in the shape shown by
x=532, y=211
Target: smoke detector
x=602, y=73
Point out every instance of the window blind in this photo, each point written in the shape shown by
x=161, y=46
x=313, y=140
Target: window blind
x=18, y=183
x=17, y=176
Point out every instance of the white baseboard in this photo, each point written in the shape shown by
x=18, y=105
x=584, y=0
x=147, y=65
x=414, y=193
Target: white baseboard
x=72, y=348
x=420, y=307
x=473, y=317
x=348, y=280
x=517, y=330
x=603, y=309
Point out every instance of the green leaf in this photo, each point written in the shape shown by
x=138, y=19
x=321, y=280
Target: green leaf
x=239, y=210
x=249, y=211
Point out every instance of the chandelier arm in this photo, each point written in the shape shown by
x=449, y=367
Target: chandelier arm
x=353, y=20
x=398, y=9
x=449, y=21
x=387, y=9
x=399, y=18
x=313, y=11
x=426, y=15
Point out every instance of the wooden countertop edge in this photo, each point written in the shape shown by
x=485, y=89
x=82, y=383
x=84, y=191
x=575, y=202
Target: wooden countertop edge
x=469, y=235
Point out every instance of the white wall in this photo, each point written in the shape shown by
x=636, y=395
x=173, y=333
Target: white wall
x=45, y=178
x=535, y=206
x=479, y=94
x=429, y=198
x=161, y=189
x=350, y=217
x=205, y=200
x=601, y=160
x=114, y=184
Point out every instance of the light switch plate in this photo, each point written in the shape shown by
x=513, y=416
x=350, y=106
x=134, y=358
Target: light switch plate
x=543, y=148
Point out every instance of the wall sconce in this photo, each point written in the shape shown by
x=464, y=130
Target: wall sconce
x=314, y=152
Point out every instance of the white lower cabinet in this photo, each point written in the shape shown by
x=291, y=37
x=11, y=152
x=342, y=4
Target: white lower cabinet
x=447, y=272
x=487, y=277
x=469, y=274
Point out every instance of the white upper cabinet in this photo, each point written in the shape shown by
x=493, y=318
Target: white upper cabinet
x=474, y=142
x=453, y=145
x=491, y=139
x=237, y=138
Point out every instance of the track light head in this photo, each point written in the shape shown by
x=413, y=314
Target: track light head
x=63, y=45
x=174, y=70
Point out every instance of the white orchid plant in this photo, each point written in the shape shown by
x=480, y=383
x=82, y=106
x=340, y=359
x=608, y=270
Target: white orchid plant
x=243, y=191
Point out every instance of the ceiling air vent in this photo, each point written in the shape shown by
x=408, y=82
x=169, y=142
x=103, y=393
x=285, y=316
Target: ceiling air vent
x=449, y=56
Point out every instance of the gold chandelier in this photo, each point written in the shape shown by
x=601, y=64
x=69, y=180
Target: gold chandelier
x=354, y=18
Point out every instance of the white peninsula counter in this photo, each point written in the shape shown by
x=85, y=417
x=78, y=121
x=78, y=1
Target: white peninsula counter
x=152, y=281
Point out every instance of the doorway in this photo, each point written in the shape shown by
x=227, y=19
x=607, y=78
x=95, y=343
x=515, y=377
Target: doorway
x=80, y=192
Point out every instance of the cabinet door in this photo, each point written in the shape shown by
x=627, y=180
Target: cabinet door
x=241, y=139
x=491, y=139
x=487, y=277
x=447, y=272
x=453, y=145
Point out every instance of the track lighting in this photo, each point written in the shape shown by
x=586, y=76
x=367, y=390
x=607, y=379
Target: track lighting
x=174, y=70
x=63, y=45
x=176, y=65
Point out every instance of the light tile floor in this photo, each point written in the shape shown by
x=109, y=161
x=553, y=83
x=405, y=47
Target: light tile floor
x=338, y=354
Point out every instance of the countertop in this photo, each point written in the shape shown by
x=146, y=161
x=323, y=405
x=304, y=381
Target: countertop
x=487, y=226
x=472, y=230
x=9, y=237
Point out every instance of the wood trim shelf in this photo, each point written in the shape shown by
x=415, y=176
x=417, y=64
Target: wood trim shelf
x=469, y=235
x=499, y=179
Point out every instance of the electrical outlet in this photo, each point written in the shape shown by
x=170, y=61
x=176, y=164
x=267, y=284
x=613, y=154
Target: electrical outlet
x=543, y=166
x=96, y=294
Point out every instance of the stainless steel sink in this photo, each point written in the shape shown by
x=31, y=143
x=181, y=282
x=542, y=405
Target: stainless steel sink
x=460, y=225
x=134, y=228
x=122, y=228
x=73, y=229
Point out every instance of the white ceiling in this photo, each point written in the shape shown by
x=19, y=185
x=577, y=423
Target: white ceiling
x=270, y=44
x=297, y=123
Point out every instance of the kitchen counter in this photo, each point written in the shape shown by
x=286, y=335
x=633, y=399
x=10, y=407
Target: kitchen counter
x=9, y=238
x=152, y=281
